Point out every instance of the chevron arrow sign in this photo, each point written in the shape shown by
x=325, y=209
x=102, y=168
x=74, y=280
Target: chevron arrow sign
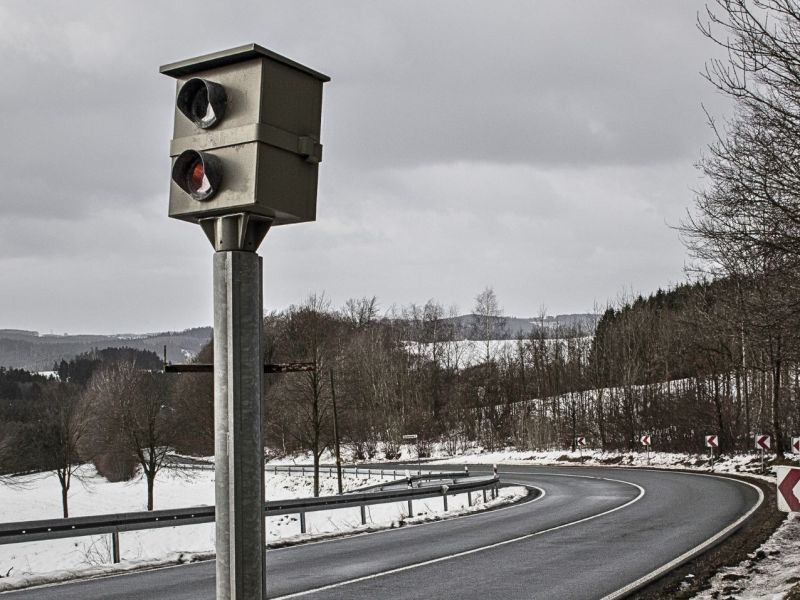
x=788, y=489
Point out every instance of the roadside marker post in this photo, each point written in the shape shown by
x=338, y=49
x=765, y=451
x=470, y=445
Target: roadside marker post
x=413, y=437
x=646, y=442
x=580, y=442
x=788, y=489
x=712, y=441
x=763, y=444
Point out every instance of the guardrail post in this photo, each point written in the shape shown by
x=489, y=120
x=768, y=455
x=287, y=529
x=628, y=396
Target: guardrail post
x=410, y=508
x=356, y=472
x=484, y=495
x=302, y=522
x=363, y=514
x=115, y=546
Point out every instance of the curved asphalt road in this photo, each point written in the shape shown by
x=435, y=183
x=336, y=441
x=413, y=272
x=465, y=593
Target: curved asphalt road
x=593, y=532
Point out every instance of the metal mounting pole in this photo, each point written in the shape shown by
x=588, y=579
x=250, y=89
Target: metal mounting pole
x=238, y=444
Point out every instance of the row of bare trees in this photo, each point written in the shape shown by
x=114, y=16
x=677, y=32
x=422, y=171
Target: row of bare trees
x=677, y=365
x=745, y=229
x=688, y=362
x=121, y=419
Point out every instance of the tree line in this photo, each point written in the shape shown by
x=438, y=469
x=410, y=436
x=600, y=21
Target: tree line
x=676, y=365
x=745, y=227
x=112, y=407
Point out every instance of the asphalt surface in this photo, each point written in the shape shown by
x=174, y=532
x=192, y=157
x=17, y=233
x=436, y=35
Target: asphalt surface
x=592, y=532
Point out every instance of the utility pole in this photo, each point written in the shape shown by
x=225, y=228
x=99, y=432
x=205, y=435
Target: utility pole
x=336, y=436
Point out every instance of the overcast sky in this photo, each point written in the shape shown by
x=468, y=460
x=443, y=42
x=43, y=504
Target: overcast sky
x=540, y=147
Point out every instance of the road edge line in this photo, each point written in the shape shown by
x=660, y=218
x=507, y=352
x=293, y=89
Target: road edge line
x=693, y=552
x=474, y=550
x=210, y=556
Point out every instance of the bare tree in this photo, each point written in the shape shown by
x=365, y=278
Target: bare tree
x=193, y=408
x=489, y=324
x=132, y=416
x=361, y=312
x=747, y=220
x=308, y=335
x=60, y=429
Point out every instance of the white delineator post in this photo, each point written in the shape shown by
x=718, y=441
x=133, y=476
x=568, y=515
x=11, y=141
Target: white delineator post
x=711, y=442
x=239, y=449
x=762, y=443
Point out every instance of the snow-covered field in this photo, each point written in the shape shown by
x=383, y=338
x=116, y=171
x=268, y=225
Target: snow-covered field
x=38, y=497
x=462, y=354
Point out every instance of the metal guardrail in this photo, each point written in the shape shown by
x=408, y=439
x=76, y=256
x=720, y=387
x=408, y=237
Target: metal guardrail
x=49, y=529
x=331, y=470
x=444, y=477
x=201, y=465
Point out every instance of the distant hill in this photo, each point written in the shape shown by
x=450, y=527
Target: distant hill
x=21, y=349
x=572, y=325
x=29, y=350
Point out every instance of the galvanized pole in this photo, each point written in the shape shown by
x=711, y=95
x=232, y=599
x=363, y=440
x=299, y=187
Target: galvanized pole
x=239, y=449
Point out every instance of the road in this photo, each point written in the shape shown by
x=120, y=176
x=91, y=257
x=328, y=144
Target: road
x=590, y=533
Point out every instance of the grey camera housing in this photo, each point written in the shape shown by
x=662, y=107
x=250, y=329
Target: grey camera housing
x=267, y=143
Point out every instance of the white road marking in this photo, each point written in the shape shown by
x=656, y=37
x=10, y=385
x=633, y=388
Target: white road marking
x=699, y=549
x=479, y=549
x=444, y=520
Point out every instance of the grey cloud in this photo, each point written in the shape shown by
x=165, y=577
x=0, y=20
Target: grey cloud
x=537, y=146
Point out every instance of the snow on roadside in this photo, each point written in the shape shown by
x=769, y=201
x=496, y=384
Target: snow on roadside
x=769, y=572
x=38, y=497
x=744, y=464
